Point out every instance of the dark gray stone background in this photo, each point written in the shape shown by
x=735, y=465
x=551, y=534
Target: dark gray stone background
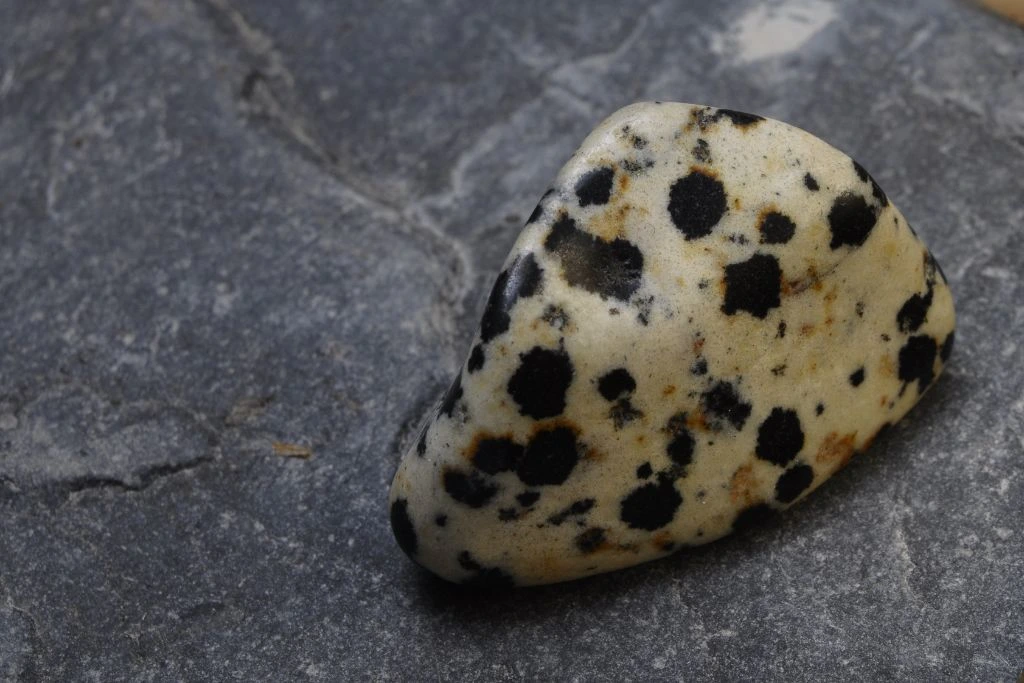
x=229, y=225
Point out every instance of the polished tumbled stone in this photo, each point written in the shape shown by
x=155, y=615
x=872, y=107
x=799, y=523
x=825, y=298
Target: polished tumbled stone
x=707, y=315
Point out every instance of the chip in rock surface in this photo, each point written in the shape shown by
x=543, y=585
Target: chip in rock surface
x=707, y=315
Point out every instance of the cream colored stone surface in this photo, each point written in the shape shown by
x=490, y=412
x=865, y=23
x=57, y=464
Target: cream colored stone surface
x=726, y=352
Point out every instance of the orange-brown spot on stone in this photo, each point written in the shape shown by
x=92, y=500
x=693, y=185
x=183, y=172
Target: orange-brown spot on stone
x=669, y=390
x=806, y=330
x=640, y=439
x=810, y=279
x=744, y=484
x=836, y=450
x=704, y=170
x=662, y=540
x=552, y=423
x=886, y=367
x=697, y=420
x=698, y=345
x=610, y=224
x=623, y=182
x=736, y=203
x=883, y=400
x=828, y=321
x=593, y=455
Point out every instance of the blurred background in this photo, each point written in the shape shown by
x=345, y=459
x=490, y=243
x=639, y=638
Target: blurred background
x=244, y=245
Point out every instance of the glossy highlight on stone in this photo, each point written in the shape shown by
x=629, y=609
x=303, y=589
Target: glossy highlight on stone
x=707, y=316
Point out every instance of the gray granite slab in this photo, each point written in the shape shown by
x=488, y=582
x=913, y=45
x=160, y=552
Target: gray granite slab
x=230, y=231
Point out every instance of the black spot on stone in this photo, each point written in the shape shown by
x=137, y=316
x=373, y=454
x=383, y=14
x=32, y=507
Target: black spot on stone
x=876, y=191
x=556, y=317
x=549, y=458
x=947, y=348
x=738, y=118
x=779, y=370
x=577, y=508
x=700, y=367
x=859, y=309
x=782, y=330
x=917, y=361
x=476, y=359
x=793, y=482
x=402, y=527
x=701, y=151
x=631, y=166
x=452, y=396
x=595, y=187
x=780, y=437
x=469, y=488
x=497, y=455
x=938, y=267
x=643, y=307
x=590, y=540
x=507, y=514
x=914, y=311
x=861, y=172
x=680, y=448
x=810, y=182
x=851, y=220
x=696, y=202
x=753, y=285
x=540, y=382
x=539, y=210
x=522, y=279
x=857, y=377
x=777, y=228
x=623, y=412
x=615, y=383
x=644, y=471
x=819, y=409
x=608, y=269
x=421, y=445
x=441, y=520
x=650, y=506
x=528, y=498
x=753, y=516
x=721, y=401
x=484, y=577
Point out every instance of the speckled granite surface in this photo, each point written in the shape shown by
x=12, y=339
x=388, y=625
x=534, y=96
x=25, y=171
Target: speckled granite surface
x=230, y=226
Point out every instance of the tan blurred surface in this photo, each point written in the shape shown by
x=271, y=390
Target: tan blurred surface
x=1011, y=9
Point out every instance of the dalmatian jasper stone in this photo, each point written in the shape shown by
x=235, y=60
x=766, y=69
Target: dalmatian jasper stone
x=707, y=315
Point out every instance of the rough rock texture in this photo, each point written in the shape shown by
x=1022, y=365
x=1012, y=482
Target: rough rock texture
x=687, y=336
x=230, y=226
